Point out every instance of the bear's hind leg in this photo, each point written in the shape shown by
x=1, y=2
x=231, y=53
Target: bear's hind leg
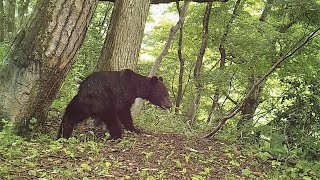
x=73, y=115
x=66, y=129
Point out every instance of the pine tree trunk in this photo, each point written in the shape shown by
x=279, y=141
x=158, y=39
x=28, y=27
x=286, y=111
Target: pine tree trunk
x=40, y=58
x=124, y=37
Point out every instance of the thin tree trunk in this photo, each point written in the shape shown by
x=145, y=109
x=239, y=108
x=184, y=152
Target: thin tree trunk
x=124, y=37
x=40, y=58
x=156, y=65
x=181, y=69
x=222, y=51
x=1, y=21
x=266, y=10
x=198, y=85
x=22, y=11
x=251, y=103
x=10, y=8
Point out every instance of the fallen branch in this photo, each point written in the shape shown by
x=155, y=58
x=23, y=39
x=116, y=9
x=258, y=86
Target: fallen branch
x=289, y=53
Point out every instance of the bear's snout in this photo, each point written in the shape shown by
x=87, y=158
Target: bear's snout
x=166, y=103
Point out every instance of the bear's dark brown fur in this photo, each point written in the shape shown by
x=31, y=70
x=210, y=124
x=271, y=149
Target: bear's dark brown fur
x=107, y=96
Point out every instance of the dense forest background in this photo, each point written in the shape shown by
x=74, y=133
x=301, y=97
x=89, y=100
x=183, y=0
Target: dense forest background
x=244, y=71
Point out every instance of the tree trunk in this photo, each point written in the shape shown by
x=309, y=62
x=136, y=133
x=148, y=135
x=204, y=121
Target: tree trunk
x=251, y=103
x=10, y=10
x=40, y=58
x=124, y=37
x=181, y=71
x=22, y=11
x=198, y=85
x=1, y=21
x=156, y=65
x=222, y=51
x=266, y=10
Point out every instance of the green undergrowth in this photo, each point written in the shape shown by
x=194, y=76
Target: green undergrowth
x=85, y=157
x=155, y=119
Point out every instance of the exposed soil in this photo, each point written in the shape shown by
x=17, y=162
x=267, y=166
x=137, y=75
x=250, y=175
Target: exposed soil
x=151, y=155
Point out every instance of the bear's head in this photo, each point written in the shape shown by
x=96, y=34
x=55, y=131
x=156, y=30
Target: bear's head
x=158, y=94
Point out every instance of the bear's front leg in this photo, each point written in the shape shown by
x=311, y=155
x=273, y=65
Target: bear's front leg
x=126, y=119
x=113, y=125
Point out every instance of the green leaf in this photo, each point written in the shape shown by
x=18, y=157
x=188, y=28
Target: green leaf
x=235, y=163
x=246, y=172
x=85, y=166
x=306, y=178
x=178, y=163
x=108, y=165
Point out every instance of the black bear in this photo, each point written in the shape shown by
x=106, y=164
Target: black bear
x=107, y=96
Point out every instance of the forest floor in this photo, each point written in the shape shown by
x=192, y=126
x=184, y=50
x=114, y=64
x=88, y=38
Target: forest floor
x=151, y=155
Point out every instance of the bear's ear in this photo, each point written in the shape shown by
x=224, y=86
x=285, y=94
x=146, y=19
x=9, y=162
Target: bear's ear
x=160, y=78
x=154, y=80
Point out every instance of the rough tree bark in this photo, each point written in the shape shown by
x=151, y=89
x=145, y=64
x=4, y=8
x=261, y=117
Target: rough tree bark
x=156, y=65
x=124, y=37
x=222, y=51
x=40, y=58
x=197, y=68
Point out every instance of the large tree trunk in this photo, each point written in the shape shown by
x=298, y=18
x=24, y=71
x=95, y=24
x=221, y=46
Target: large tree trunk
x=40, y=58
x=124, y=37
x=1, y=21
